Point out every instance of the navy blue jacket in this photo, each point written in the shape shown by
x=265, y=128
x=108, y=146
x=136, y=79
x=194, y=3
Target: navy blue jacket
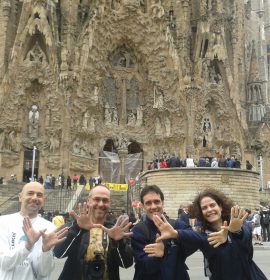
x=230, y=261
x=171, y=266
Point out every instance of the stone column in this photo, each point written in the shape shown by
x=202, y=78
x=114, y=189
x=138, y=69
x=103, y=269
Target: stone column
x=122, y=153
x=191, y=92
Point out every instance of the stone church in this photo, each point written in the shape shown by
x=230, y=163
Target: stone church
x=93, y=84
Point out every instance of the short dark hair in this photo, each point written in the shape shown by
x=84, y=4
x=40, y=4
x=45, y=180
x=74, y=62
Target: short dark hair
x=149, y=189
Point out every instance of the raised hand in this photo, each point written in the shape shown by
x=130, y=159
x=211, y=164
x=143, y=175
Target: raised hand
x=217, y=238
x=83, y=219
x=119, y=230
x=155, y=249
x=166, y=230
x=32, y=236
x=238, y=216
x=51, y=239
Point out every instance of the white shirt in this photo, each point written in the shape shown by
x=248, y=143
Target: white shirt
x=16, y=262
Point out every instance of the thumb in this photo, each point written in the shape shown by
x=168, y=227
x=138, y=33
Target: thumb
x=42, y=232
x=158, y=238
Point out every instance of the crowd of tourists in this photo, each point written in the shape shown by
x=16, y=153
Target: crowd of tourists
x=95, y=243
x=70, y=183
x=172, y=161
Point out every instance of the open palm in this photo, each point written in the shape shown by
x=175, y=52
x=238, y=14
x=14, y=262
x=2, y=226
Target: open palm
x=83, y=219
x=119, y=230
x=51, y=239
x=32, y=235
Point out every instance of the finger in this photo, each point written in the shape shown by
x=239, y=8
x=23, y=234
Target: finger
x=159, y=239
x=163, y=218
x=124, y=221
x=128, y=234
x=60, y=240
x=80, y=208
x=28, y=222
x=126, y=227
x=84, y=208
x=74, y=215
x=119, y=220
x=62, y=234
x=236, y=214
x=216, y=245
x=213, y=242
x=61, y=231
x=232, y=212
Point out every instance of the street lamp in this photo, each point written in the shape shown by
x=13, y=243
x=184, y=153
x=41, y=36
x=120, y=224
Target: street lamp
x=33, y=163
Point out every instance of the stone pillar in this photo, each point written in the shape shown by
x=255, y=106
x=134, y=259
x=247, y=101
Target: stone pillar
x=122, y=156
x=191, y=92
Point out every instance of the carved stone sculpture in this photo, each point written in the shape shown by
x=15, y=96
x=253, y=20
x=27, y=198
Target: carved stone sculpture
x=158, y=98
x=33, y=118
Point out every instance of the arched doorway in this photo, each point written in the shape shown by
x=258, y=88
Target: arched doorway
x=133, y=161
x=110, y=163
x=28, y=164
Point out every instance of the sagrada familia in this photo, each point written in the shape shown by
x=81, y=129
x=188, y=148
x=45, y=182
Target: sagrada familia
x=85, y=80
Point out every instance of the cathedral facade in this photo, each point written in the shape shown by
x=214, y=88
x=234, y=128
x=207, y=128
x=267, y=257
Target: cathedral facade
x=83, y=80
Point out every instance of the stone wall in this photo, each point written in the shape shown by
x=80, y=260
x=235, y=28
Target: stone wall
x=181, y=185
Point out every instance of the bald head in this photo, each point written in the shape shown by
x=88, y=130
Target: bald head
x=98, y=188
x=31, y=185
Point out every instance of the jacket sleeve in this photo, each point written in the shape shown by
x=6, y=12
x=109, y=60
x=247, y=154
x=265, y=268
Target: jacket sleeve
x=120, y=252
x=148, y=264
x=64, y=248
x=191, y=240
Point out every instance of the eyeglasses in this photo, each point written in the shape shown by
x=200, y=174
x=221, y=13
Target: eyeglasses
x=97, y=200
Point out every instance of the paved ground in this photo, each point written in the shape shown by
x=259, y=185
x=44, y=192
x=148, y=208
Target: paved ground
x=195, y=264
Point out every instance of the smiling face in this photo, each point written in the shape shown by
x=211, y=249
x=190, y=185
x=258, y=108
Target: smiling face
x=32, y=199
x=152, y=204
x=211, y=212
x=99, y=203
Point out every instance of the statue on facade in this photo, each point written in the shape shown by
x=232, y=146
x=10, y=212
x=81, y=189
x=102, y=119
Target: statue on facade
x=85, y=121
x=121, y=143
x=131, y=119
x=2, y=139
x=167, y=124
x=54, y=143
x=36, y=55
x=95, y=95
x=12, y=144
x=158, y=98
x=139, y=121
x=107, y=115
x=158, y=127
x=115, y=119
x=76, y=146
x=33, y=118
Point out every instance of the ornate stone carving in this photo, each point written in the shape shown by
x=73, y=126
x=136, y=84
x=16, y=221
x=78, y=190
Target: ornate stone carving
x=33, y=118
x=158, y=98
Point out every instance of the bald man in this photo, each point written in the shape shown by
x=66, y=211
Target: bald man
x=95, y=252
x=26, y=240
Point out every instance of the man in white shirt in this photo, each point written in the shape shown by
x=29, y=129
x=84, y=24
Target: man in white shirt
x=26, y=240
